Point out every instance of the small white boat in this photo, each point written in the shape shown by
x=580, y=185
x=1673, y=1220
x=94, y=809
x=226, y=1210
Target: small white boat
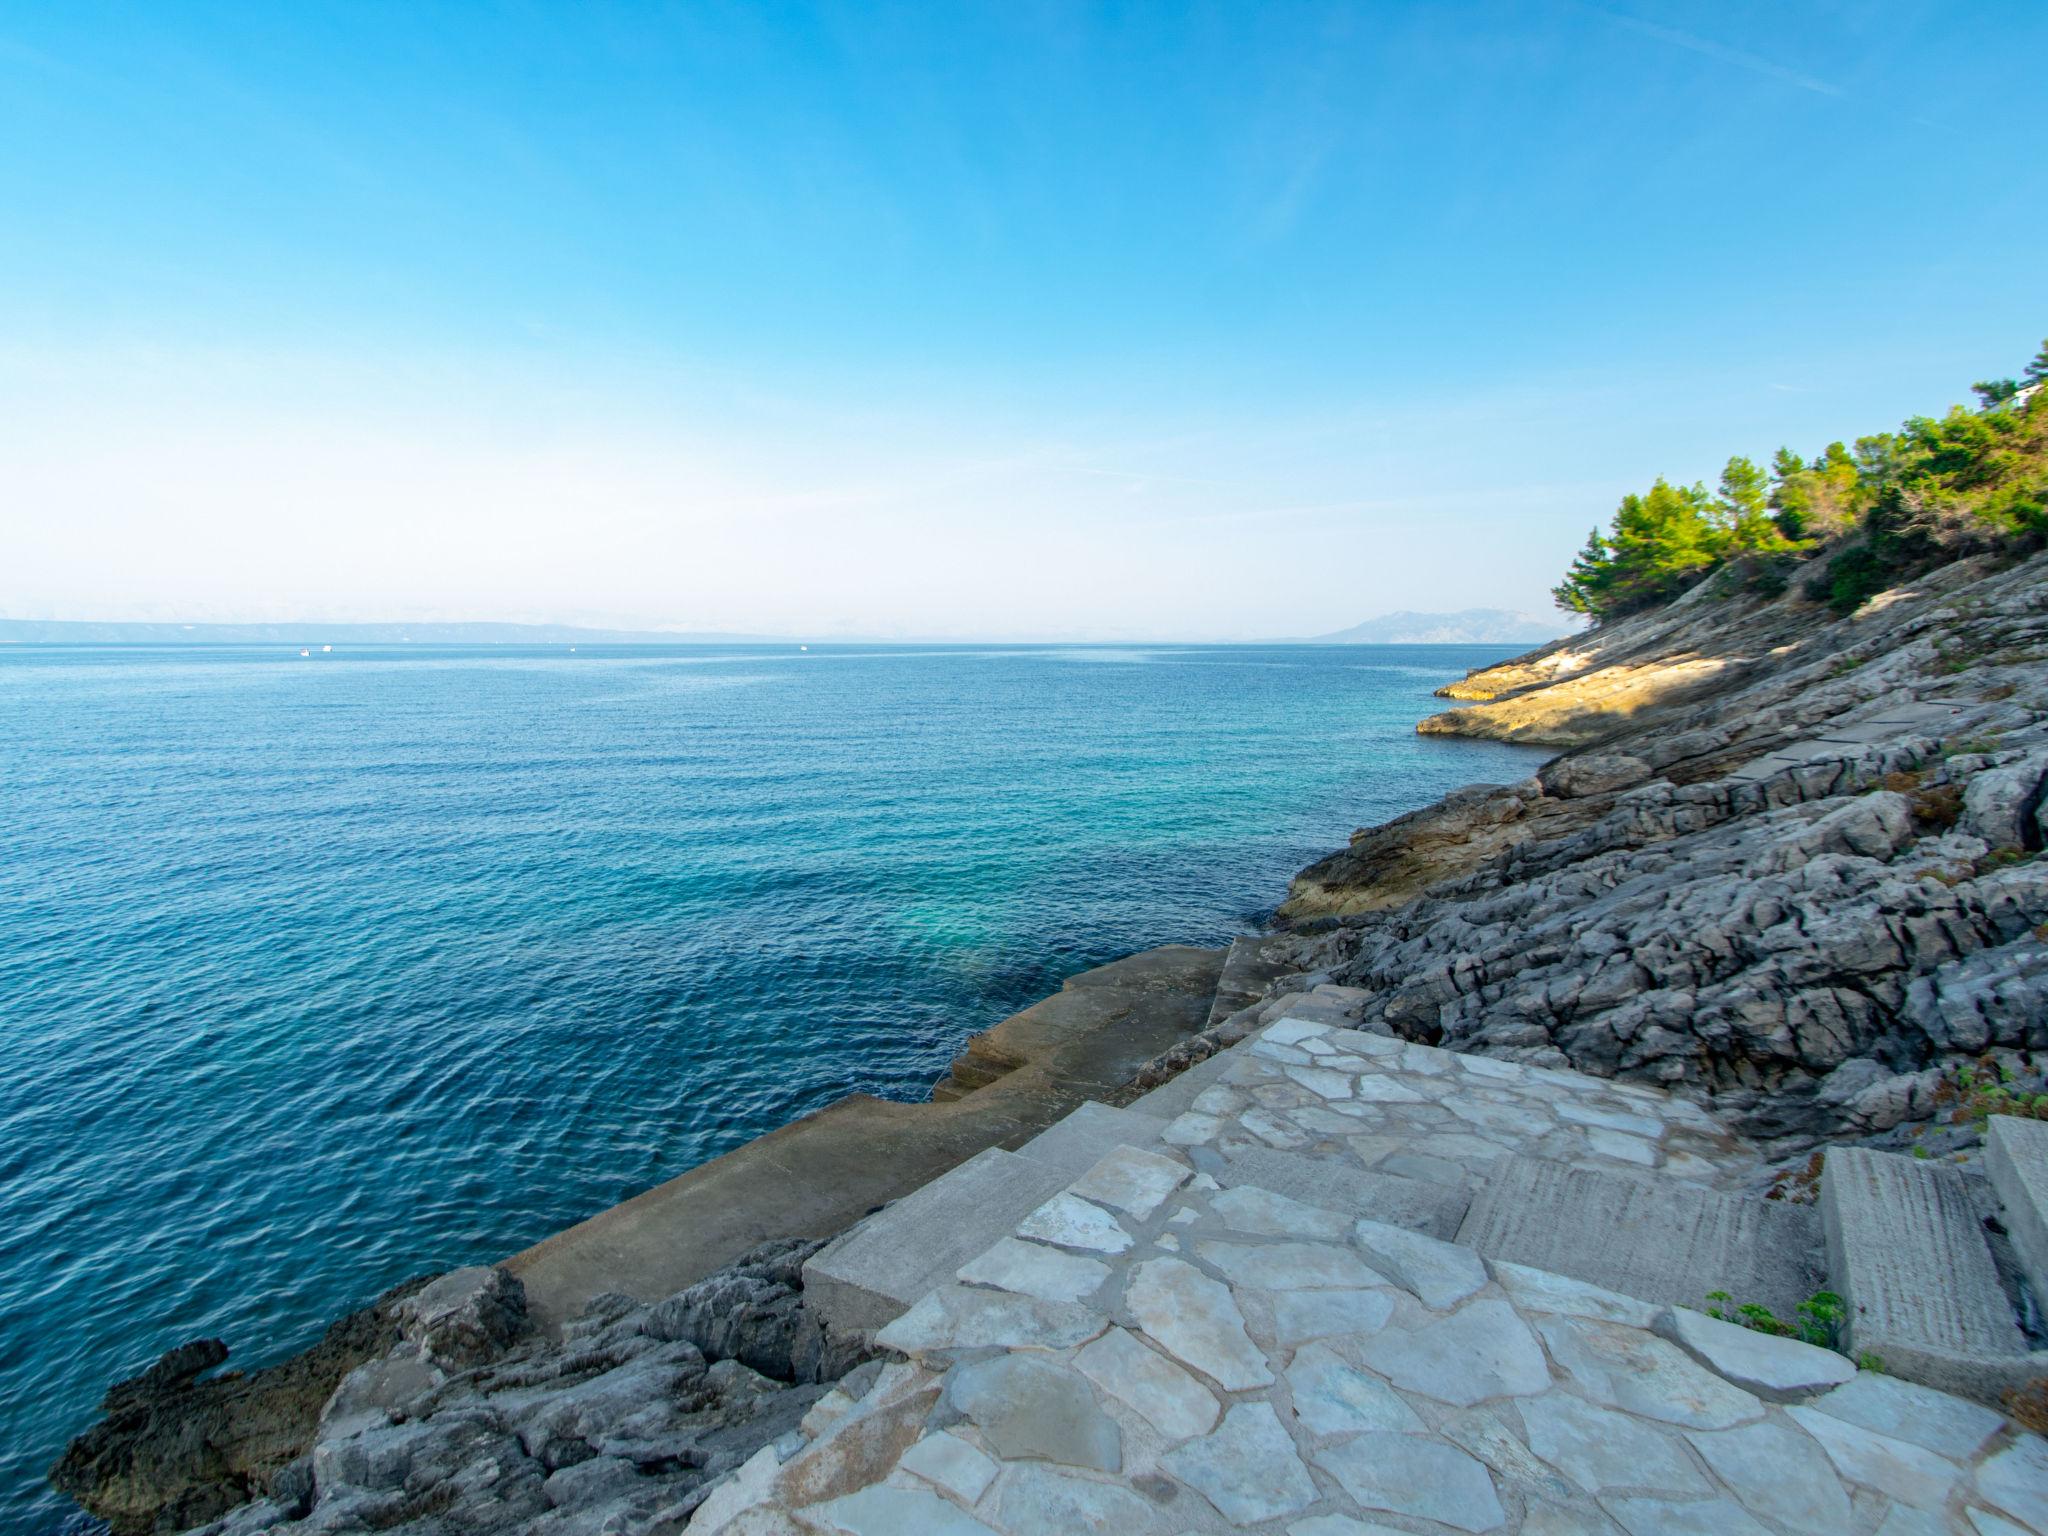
x=304, y=652
x=326, y=648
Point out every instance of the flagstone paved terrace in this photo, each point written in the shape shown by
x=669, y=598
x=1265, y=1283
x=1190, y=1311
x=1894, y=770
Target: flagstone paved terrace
x=1157, y=1351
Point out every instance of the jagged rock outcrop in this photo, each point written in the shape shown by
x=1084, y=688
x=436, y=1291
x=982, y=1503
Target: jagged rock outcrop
x=464, y=1420
x=177, y=1447
x=1804, y=888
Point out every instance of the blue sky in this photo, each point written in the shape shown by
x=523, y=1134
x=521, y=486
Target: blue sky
x=1160, y=321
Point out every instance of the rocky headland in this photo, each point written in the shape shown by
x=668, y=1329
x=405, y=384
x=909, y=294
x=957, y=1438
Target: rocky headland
x=1350, y=1224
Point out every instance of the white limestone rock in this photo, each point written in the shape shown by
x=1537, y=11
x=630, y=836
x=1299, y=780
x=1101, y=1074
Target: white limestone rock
x=1482, y=1350
x=1777, y=1369
x=1600, y=1448
x=1641, y=1374
x=1332, y=1397
x=1197, y=1321
x=1031, y=1269
x=1150, y=1385
x=1068, y=1222
x=1409, y=1475
x=1131, y=1180
x=1247, y=1467
x=1440, y=1274
x=1289, y=1266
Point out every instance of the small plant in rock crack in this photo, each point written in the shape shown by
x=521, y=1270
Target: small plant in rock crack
x=1819, y=1318
x=1989, y=1087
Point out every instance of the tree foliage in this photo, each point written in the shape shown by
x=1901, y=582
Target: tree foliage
x=1893, y=504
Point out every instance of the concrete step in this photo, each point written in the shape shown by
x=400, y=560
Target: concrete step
x=1072, y=1146
x=873, y=1273
x=1383, y=1197
x=2016, y=1157
x=1657, y=1240
x=1906, y=1251
x=1171, y=1099
x=865, y=1277
x=1252, y=963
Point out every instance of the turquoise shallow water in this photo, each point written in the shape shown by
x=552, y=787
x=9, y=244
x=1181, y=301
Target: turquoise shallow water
x=318, y=973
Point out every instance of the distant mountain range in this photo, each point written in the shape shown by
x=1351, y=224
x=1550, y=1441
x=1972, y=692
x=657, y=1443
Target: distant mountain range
x=1468, y=626
x=89, y=632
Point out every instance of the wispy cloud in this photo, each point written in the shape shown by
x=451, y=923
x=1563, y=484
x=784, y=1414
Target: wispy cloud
x=1721, y=51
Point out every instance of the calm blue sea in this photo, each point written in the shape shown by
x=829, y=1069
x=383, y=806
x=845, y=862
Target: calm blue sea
x=318, y=973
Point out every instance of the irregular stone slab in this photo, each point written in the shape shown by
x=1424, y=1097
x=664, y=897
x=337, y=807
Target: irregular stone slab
x=2016, y=1479
x=1072, y=1145
x=887, y=1511
x=1483, y=1433
x=1248, y=1467
x=951, y=1463
x=1779, y=1474
x=1032, y=1499
x=1599, y=1448
x=874, y=1272
x=1031, y=1269
x=1027, y=1406
x=1070, y=1222
x=1272, y=1130
x=863, y=1446
x=1248, y=1208
x=1384, y=1090
x=1622, y=1147
x=1289, y=1266
x=1657, y=1240
x=1905, y=1471
x=1322, y=1082
x=1351, y=1192
x=1908, y=1256
x=1302, y=1315
x=1192, y=1129
x=1131, y=1180
x=752, y=1485
x=1331, y=1397
x=1904, y=1410
x=1608, y=1119
x=961, y=1317
x=1982, y=1521
x=1150, y=1385
x=1538, y=1290
x=1644, y=1375
x=1440, y=1274
x=1482, y=1350
x=2016, y=1159
x=1293, y=1031
x=1905, y=1520
x=1196, y=1320
x=1408, y=1475
x=1662, y=1517
x=1342, y=1525
x=1777, y=1369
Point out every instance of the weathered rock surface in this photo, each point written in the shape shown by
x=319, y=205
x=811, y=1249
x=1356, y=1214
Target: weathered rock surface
x=455, y=1416
x=175, y=1450
x=1802, y=880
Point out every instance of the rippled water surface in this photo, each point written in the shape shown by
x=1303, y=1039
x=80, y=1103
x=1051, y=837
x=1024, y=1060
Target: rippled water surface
x=319, y=973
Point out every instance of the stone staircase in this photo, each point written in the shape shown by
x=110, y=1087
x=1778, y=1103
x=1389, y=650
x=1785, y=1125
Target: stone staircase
x=1616, y=1186
x=1910, y=1248
x=1328, y=1280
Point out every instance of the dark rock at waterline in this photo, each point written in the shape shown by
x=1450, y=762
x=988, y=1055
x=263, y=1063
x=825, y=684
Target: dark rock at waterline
x=175, y=1450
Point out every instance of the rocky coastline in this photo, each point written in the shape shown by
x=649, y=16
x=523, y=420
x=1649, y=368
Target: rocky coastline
x=1785, y=867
